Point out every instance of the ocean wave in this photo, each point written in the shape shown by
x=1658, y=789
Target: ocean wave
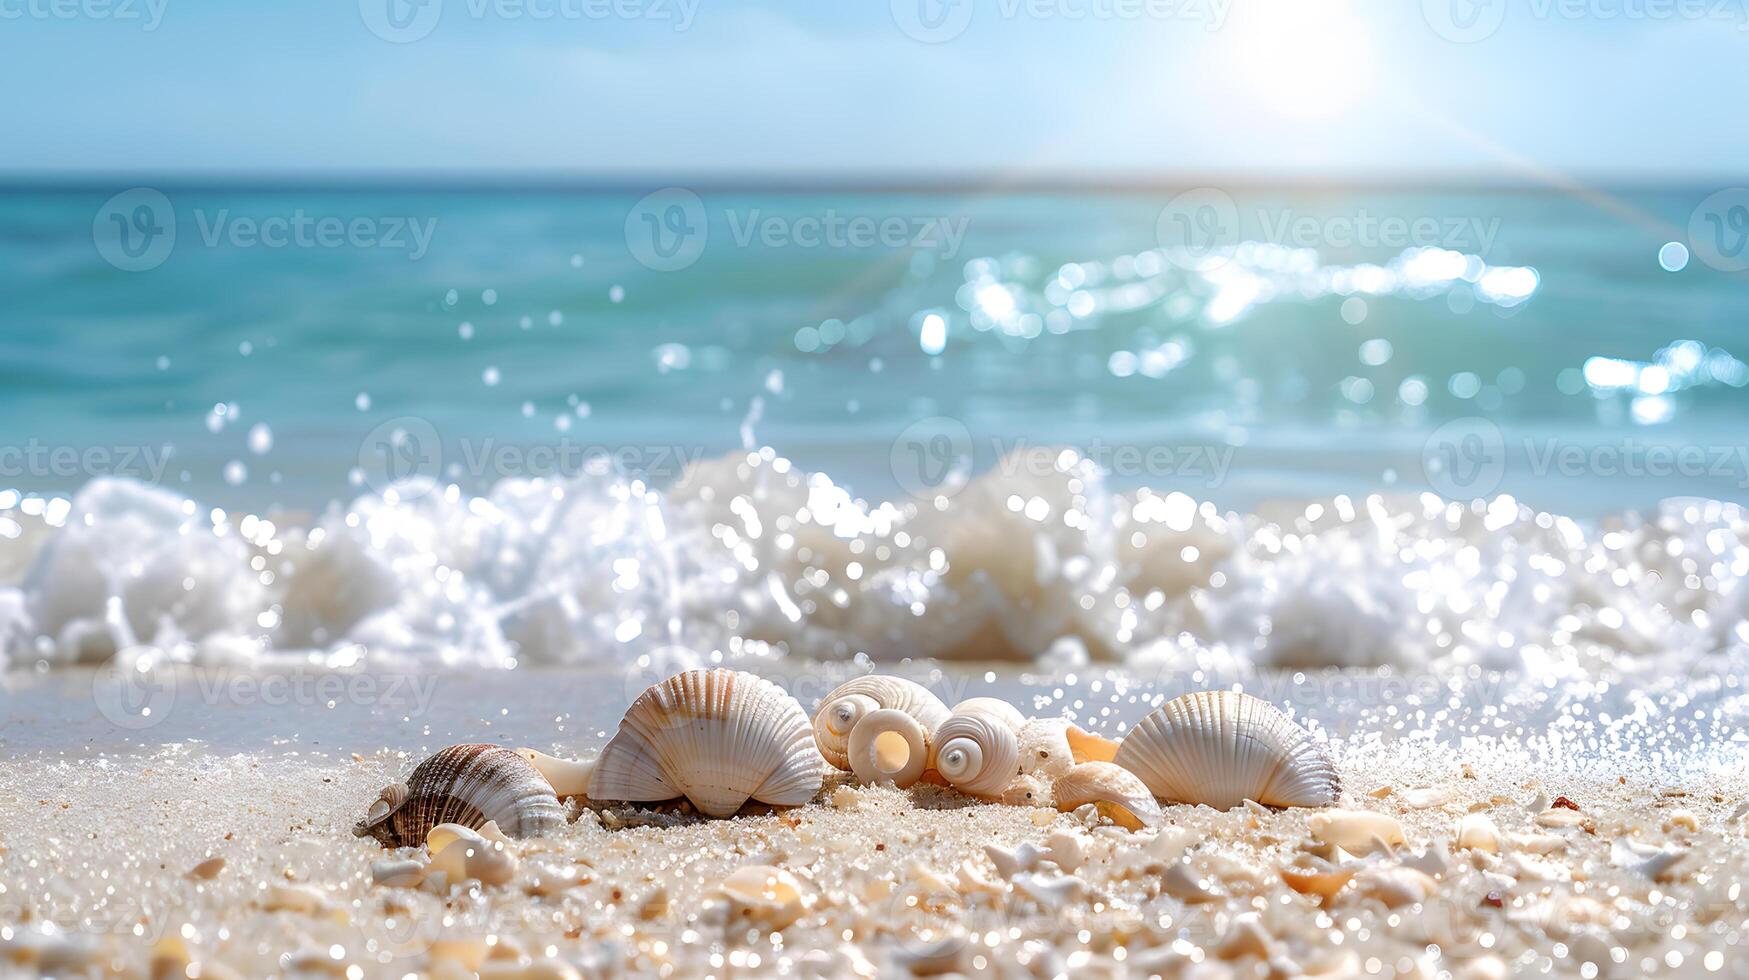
x=1035, y=561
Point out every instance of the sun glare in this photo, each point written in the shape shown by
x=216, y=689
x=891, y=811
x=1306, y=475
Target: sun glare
x=1308, y=58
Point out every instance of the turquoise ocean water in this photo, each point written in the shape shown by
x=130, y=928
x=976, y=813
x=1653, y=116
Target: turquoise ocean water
x=292, y=347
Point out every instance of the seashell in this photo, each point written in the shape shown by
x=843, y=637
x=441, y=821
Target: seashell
x=888, y=746
x=463, y=855
x=1682, y=820
x=1246, y=937
x=718, y=737
x=1648, y=861
x=1537, y=843
x=1221, y=748
x=1560, y=817
x=1477, y=833
x=1051, y=746
x=1181, y=883
x=568, y=777
x=1119, y=794
x=1356, y=831
x=467, y=785
x=977, y=749
x=765, y=896
x=397, y=874
x=1427, y=797
x=852, y=701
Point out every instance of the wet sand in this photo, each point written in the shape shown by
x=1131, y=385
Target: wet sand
x=1634, y=869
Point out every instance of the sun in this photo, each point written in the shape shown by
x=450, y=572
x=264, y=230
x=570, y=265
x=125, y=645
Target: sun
x=1306, y=58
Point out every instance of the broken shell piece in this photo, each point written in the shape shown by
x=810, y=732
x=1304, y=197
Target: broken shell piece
x=1011, y=861
x=852, y=701
x=1650, y=862
x=461, y=854
x=765, y=896
x=299, y=898
x=888, y=746
x=1318, y=879
x=398, y=874
x=467, y=785
x=1537, y=843
x=1026, y=790
x=567, y=777
x=977, y=749
x=1051, y=892
x=1246, y=937
x=1426, y=797
x=1181, y=883
x=1221, y=748
x=207, y=870
x=1560, y=817
x=1052, y=745
x=1067, y=850
x=1396, y=887
x=1356, y=831
x=1477, y=833
x=1681, y=820
x=718, y=737
x=1119, y=795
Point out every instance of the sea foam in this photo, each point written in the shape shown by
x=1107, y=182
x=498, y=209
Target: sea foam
x=745, y=556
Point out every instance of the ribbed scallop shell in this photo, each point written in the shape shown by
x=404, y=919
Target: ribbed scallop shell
x=1114, y=790
x=467, y=785
x=1221, y=748
x=718, y=737
x=853, y=700
x=977, y=749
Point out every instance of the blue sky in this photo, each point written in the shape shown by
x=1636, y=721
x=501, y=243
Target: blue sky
x=1580, y=88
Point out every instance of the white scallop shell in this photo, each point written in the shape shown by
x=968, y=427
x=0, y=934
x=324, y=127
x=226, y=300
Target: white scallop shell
x=855, y=699
x=977, y=749
x=718, y=737
x=1114, y=790
x=1222, y=748
x=467, y=785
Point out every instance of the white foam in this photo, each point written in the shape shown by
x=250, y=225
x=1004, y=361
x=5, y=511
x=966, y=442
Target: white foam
x=747, y=556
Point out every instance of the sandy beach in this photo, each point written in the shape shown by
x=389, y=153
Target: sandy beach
x=226, y=856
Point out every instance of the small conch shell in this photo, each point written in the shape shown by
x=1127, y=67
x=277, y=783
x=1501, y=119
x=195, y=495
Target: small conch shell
x=468, y=785
x=977, y=749
x=1115, y=791
x=854, y=701
x=1222, y=748
x=718, y=737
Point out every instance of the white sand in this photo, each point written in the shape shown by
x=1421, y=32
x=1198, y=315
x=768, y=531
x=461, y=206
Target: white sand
x=96, y=850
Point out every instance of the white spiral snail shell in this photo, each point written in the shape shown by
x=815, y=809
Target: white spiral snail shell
x=467, y=785
x=1221, y=748
x=718, y=737
x=977, y=749
x=879, y=727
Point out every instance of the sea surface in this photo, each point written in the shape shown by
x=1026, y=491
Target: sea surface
x=526, y=332
x=1302, y=428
